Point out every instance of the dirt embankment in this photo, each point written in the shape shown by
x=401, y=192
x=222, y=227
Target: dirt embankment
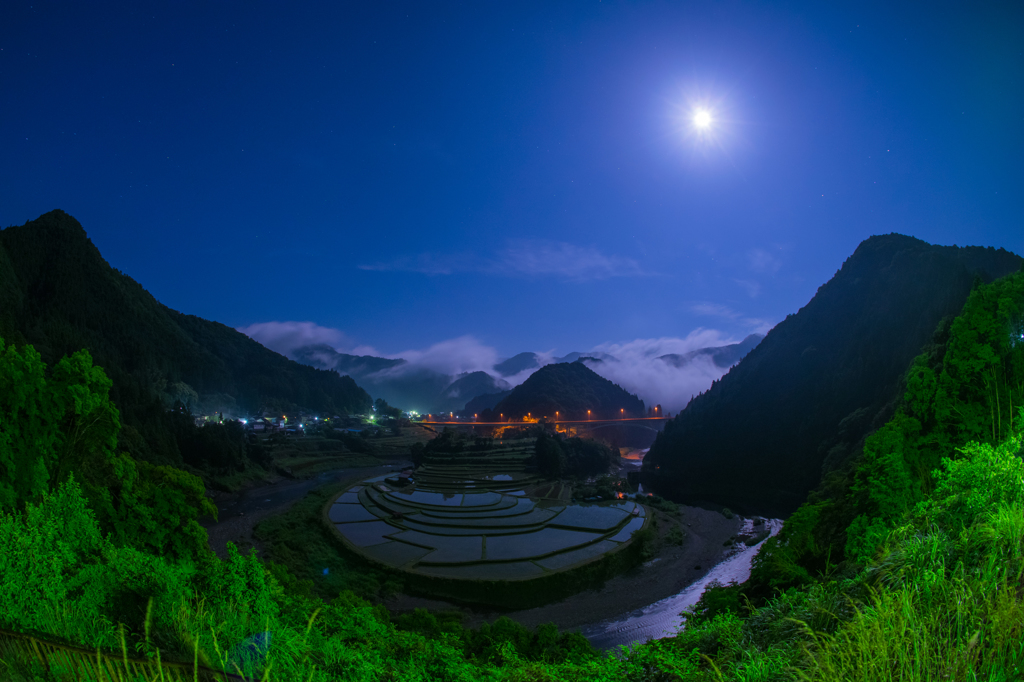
x=675, y=567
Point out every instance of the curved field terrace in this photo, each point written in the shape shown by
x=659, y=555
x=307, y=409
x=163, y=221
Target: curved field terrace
x=478, y=534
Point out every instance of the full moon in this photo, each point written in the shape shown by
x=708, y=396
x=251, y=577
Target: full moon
x=702, y=119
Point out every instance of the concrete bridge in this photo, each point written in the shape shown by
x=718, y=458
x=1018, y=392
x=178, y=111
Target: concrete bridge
x=654, y=424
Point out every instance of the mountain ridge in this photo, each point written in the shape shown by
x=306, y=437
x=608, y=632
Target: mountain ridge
x=759, y=438
x=63, y=296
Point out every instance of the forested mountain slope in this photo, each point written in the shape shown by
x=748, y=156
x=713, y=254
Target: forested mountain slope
x=59, y=294
x=802, y=401
x=570, y=388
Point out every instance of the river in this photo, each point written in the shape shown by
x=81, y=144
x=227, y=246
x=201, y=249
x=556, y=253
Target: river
x=662, y=619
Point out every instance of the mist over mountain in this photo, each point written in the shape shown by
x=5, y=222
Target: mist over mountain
x=721, y=356
x=448, y=376
x=799, y=405
x=357, y=366
x=459, y=393
x=519, y=363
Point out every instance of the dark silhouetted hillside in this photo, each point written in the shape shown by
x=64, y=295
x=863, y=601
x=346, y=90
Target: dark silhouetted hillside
x=488, y=401
x=570, y=388
x=518, y=363
x=468, y=386
x=59, y=294
x=806, y=396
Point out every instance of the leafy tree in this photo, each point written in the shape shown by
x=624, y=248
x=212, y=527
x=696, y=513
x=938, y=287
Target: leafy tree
x=551, y=458
x=384, y=410
x=64, y=423
x=982, y=479
x=563, y=457
x=52, y=425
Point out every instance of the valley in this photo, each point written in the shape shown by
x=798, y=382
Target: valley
x=564, y=519
x=511, y=342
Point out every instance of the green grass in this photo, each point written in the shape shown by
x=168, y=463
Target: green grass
x=299, y=541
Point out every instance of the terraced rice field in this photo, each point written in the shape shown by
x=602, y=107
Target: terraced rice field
x=474, y=526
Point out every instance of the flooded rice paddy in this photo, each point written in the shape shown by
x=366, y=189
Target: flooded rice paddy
x=476, y=534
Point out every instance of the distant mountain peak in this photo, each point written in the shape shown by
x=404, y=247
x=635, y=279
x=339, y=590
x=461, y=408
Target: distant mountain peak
x=518, y=363
x=571, y=389
x=765, y=433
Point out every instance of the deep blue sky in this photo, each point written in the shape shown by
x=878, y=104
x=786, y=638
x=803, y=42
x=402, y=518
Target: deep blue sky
x=522, y=172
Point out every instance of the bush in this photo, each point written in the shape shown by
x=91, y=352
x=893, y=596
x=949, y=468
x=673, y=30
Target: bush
x=675, y=535
x=984, y=478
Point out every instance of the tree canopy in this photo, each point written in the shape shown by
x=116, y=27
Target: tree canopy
x=59, y=423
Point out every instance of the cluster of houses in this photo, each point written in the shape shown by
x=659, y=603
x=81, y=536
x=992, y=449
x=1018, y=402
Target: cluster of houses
x=274, y=424
x=268, y=423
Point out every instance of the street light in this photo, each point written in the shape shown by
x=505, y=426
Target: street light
x=588, y=414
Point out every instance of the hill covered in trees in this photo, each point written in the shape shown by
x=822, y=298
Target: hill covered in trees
x=58, y=294
x=800, y=404
x=571, y=389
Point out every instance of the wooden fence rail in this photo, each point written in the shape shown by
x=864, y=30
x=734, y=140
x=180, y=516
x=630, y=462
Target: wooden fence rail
x=73, y=662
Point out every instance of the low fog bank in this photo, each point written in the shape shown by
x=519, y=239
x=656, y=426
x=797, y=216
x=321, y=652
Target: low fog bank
x=640, y=367
x=666, y=371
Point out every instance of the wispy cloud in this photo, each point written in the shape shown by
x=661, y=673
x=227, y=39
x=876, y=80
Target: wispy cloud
x=530, y=258
x=424, y=263
x=540, y=258
x=763, y=262
x=715, y=310
x=285, y=337
x=756, y=325
x=634, y=365
x=752, y=288
x=452, y=357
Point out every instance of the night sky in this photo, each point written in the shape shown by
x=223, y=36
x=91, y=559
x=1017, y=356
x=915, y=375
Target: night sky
x=527, y=174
